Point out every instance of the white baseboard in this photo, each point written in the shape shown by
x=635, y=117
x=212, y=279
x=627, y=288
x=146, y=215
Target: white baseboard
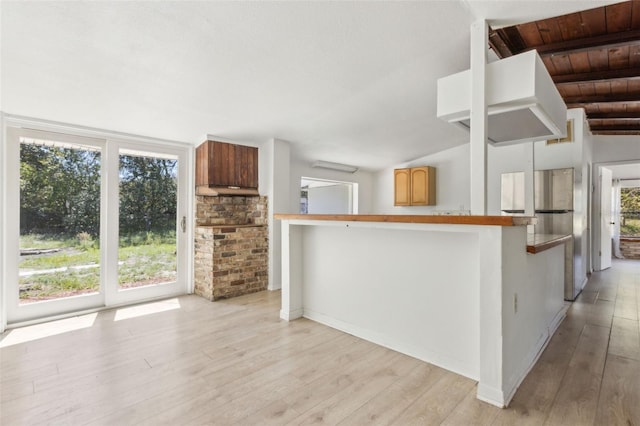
x=491, y=395
x=291, y=315
x=371, y=336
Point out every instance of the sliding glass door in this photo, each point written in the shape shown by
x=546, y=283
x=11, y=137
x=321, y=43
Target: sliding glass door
x=151, y=223
x=97, y=223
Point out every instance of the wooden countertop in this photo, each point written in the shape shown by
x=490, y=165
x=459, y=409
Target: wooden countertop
x=541, y=242
x=440, y=219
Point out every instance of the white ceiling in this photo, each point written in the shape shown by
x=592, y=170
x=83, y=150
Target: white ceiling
x=348, y=82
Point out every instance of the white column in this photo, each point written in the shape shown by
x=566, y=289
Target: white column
x=490, y=387
x=478, y=131
x=291, y=307
x=529, y=187
x=278, y=163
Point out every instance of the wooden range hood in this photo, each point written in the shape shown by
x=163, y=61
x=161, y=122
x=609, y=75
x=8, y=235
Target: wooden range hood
x=226, y=169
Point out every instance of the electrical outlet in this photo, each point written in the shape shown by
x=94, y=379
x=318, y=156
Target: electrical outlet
x=515, y=303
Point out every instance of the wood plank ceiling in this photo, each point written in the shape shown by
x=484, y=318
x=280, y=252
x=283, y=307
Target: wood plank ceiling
x=594, y=59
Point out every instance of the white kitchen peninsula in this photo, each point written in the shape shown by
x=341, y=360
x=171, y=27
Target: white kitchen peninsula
x=460, y=292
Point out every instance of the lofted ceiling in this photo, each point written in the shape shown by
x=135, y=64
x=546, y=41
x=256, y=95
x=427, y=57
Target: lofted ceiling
x=347, y=82
x=593, y=57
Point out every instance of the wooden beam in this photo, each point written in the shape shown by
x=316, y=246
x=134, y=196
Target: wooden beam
x=605, y=41
x=578, y=101
x=579, y=45
x=498, y=44
x=616, y=132
x=506, y=41
x=614, y=115
x=616, y=128
x=597, y=76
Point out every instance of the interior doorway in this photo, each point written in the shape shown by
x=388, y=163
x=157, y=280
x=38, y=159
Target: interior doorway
x=321, y=196
x=616, y=224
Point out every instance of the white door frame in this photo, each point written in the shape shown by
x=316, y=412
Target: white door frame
x=595, y=207
x=114, y=295
x=9, y=217
x=15, y=312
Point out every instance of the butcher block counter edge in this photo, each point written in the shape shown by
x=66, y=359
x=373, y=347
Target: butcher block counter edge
x=444, y=219
x=541, y=242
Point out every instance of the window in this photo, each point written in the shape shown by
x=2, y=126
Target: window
x=318, y=196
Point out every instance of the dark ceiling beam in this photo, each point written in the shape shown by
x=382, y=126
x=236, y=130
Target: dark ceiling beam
x=616, y=128
x=616, y=132
x=605, y=41
x=499, y=41
x=597, y=76
x=599, y=99
x=511, y=44
x=614, y=115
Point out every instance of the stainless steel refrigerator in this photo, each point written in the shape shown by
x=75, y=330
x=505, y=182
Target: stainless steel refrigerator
x=553, y=203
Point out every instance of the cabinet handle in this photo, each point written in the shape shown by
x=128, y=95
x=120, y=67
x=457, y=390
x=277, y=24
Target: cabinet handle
x=183, y=224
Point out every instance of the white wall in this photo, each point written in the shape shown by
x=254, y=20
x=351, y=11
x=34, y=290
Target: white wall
x=407, y=277
x=331, y=199
x=397, y=304
x=578, y=155
x=537, y=280
x=274, y=157
x=3, y=181
x=299, y=169
x=452, y=183
x=607, y=149
x=512, y=158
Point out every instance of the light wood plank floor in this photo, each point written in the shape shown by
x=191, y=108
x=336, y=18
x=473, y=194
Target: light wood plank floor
x=189, y=361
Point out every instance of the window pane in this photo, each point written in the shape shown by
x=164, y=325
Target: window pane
x=147, y=220
x=59, y=220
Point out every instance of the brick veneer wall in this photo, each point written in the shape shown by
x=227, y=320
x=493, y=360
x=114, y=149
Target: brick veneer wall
x=231, y=246
x=231, y=210
x=630, y=247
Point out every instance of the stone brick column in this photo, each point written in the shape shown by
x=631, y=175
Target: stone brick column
x=231, y=246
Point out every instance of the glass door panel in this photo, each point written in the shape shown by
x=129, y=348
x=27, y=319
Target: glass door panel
x=55, y=259
x=59, y=220
x=92, y=223
x=147, y=244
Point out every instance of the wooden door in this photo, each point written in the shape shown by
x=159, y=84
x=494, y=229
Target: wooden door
x=246, y=170
x=402, y=187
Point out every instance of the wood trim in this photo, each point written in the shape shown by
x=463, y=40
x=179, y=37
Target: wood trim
x=543, y=245
x=438, y=219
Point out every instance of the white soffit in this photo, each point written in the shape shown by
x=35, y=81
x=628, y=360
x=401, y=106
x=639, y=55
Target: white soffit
x=523, y=104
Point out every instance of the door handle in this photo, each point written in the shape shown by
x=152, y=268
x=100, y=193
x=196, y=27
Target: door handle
x=183, y=224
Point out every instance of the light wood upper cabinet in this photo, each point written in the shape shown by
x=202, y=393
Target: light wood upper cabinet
x=415, y=186
x=402, y=187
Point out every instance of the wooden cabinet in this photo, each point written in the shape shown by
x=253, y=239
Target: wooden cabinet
x=220, y=164
x=402, y=187
x=415, y=186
